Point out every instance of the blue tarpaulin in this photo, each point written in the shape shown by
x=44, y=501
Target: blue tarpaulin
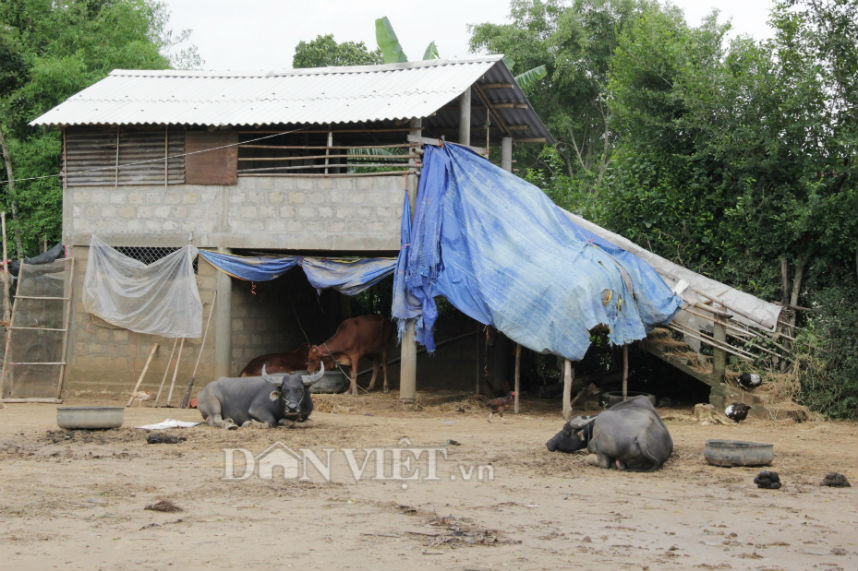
x=501, y=252
x=349, y=276
x=250, y=268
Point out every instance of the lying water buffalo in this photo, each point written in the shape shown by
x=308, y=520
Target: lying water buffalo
x=629, y=436
x=231, y=401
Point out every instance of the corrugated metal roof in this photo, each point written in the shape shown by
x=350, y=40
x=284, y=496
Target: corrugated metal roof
x=301, y=96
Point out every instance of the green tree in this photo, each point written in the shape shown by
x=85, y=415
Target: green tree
x=325, y=51
x=575, y=42
x=52, y=50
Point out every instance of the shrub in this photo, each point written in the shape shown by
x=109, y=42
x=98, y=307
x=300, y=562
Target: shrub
x=827, y=351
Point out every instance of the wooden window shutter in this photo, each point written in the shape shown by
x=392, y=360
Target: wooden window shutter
x=217, y=166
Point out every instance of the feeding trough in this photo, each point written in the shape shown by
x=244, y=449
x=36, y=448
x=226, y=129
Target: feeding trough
x=331, y=382
x=738, y=453
x=90, y=417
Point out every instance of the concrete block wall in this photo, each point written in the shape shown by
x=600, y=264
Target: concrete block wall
x=290, y=213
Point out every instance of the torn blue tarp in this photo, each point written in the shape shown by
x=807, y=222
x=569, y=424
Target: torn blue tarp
x=250, y=268
x=347, y=275
x=501, y=252
x=405, y=306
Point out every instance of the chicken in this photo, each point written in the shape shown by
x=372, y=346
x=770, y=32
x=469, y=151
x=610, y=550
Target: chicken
x=750, y=380
x=140, y=396
x=499, y=404
x=737, y=411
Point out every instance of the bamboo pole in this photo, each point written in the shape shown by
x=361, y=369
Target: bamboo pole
x=5, y=372
x=67, y=311
x=142, y=374
x=166, y=371
x=5, y=274
x=175, y=372
x=707, y=339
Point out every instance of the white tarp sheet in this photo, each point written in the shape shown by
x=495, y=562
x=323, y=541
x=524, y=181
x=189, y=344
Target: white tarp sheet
x=158, y=299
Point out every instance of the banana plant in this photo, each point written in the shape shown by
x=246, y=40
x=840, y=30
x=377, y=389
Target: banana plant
x=392, y=52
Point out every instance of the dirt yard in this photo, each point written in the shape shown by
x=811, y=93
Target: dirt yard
x=482, y=495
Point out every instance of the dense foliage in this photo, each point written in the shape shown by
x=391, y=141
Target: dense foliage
x=49, y=51
x=325, y=51
x=738, y=160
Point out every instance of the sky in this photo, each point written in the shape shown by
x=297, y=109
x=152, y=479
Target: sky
x=261, y=35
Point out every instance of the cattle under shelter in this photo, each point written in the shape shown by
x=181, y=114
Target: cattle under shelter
x=214, y=217
x=310, y=164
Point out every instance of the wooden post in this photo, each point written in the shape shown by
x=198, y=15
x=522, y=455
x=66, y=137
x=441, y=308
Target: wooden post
x=223, y=323
x=625, y=372
x=142, y=374
x=719, y=356
x=477, y=360
x=517, y=376
x=568, y=375
x=408, y=347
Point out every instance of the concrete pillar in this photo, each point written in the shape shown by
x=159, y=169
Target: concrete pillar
x=506, y=154
x=465, y=118
x=408, y=346
x=223, y=323
x=568, y=379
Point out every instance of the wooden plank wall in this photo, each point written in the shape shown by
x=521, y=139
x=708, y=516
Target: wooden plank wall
x=112, y=156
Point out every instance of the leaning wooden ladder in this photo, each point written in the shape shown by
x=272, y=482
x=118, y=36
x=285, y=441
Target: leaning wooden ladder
x=8, y=365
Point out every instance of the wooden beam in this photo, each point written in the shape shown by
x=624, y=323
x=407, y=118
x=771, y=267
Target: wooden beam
x=497, y=118
x=440, y=142
x=497, y=85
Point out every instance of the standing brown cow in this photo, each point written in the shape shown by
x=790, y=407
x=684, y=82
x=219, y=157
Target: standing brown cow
x=356, y=337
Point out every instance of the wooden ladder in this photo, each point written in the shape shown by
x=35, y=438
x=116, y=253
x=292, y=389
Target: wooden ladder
x=61, y=362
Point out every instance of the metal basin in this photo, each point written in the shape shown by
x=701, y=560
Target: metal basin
x=738, y=453
x=331, y=382
x=90, y=417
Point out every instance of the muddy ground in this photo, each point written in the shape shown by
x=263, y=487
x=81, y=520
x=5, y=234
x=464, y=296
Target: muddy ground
x=484, y=495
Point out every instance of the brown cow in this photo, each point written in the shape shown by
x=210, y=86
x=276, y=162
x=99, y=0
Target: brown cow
x=294, y=360
x=356, y=337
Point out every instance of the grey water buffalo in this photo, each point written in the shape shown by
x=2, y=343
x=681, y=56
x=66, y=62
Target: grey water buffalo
x=628, y=436
x=270, y=399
